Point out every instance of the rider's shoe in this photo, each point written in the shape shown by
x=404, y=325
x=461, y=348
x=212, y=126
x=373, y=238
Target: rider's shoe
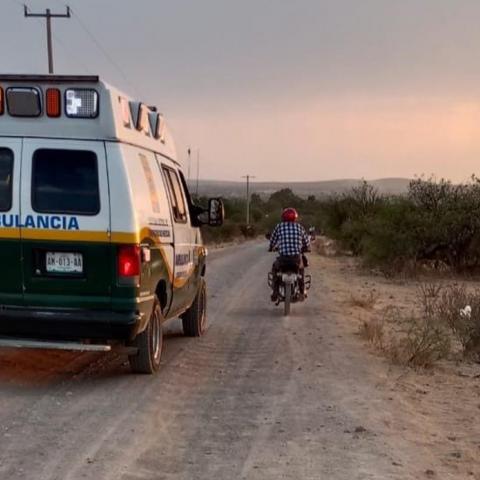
x=274, y=297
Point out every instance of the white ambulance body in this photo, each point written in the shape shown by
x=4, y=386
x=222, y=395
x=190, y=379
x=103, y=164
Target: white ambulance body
x=99, y=238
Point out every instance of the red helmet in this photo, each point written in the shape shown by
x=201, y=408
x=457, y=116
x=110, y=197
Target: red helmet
x=289, y=215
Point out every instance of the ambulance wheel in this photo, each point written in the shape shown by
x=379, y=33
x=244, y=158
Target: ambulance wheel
x=149, y=344
x=194, y=320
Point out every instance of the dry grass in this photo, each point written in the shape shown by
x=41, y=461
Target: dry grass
x=450, y=309
x=422, y=345
x=444, y=316
x=325, y=247
x=366, y=302
x=373, y=332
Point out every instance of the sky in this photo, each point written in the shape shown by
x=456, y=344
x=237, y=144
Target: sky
x=283, y=90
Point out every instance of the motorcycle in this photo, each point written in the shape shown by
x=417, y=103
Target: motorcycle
x=290, y=279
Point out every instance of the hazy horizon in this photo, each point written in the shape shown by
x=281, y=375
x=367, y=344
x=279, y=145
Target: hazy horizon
x=242, y=181
x=285, y=91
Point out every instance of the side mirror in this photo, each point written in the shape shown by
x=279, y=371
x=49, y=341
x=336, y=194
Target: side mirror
x=216, y=212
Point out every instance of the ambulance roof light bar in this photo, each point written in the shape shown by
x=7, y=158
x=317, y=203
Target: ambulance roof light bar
x=50, y=78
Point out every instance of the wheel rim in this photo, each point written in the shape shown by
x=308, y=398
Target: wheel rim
x=156, y=336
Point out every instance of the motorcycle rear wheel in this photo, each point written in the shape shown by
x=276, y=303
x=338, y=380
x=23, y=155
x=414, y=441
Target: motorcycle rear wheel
x=288, y=299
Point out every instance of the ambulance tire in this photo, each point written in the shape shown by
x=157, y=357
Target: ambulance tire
x=149, y=344
x=194, y=320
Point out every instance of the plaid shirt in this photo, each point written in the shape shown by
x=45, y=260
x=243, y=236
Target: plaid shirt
x=290, y=239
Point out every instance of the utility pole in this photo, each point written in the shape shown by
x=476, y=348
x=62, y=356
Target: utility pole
x=248, y=177
x=48, y=15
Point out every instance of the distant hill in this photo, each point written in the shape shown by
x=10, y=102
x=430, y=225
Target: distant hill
x=303, y=189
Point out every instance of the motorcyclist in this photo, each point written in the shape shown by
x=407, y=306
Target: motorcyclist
x=291, y=241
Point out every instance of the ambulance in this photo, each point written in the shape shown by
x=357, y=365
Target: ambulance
x=100, y=240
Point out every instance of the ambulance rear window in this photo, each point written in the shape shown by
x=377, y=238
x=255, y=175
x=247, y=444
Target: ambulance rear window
x=65, y=181
x=6, y=172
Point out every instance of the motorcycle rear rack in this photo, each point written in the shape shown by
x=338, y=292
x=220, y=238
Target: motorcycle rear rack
x=307, y=279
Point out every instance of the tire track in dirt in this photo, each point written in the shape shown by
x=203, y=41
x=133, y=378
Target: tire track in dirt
x=259, y=397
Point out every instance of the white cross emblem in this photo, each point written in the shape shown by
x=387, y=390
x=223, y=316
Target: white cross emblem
x=73, y=103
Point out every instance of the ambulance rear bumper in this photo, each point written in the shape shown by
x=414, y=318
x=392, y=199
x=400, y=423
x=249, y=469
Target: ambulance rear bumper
x=44, y=323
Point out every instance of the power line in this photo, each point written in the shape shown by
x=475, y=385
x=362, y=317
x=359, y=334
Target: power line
x=103, y=50
x=17, y=2
x=78, y=61
x=22, y=6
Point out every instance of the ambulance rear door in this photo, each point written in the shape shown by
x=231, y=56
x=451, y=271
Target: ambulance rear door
x=65, y=224
x=10, y=251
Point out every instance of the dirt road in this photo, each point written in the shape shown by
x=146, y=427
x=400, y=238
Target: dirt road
x=260, y=397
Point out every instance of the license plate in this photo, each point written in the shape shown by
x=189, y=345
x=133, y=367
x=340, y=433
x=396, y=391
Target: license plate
x=62, y=262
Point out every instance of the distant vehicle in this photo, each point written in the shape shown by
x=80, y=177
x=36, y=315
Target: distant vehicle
x=100, y=239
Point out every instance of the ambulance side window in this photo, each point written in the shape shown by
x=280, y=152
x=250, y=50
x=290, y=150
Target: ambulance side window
x=6, y=173
x=176, y=195
x=65, y=181
x=194, y=210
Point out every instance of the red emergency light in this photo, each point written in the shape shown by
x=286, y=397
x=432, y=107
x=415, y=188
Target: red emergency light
x=53, y=102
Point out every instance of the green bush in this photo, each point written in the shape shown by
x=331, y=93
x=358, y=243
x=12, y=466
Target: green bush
x=348, y=216
x=436, y=221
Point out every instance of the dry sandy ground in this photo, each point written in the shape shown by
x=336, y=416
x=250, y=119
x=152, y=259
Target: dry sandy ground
x=259, y=397
x=437, y=409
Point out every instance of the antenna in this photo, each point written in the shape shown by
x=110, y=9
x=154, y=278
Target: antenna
x=198, y=169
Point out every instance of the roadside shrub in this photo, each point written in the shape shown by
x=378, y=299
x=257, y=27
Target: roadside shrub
x=418, y=339
x=460, y=310
x=436, y=223
x=447, y=311
x=446, y=319
x=347, y=216
x=373, y=331
x=449, y=221
x=392, y=236
x=249, y=231
x=228, y=232
x=366, y=302
x=424, y=343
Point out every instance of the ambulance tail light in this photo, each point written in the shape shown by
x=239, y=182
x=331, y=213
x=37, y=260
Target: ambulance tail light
x=2, y=101
x=129, y=262
x=53, y=102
